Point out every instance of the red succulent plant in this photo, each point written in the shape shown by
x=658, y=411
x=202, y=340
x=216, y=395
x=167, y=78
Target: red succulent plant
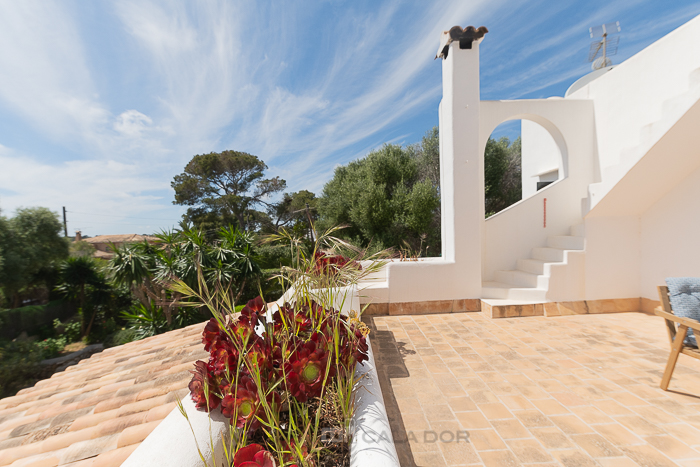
x=250, y=314
x=203, y=387
x=243, y=403
x=253, y=455
x=306, y=368
x=327, y=264
x=306, y=343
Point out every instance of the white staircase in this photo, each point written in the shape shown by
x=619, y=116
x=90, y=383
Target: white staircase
x=672, y=110
x=530, y=281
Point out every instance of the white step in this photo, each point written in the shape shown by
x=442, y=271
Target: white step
x=373, y=292
x=548, y=254
x=566, y=242
x=504, y=291
x=522, y=279
x=533, y=266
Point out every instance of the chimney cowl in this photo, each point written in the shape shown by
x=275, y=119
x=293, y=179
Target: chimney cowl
x=465, y=37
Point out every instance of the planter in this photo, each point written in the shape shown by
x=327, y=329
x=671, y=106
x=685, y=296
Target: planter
x=172, y=443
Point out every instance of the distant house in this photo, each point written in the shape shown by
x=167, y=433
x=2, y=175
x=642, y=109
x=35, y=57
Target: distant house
x=103, y=243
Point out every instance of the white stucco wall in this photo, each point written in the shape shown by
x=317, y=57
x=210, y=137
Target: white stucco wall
x=457, y=274
x=511, y=234
x=612, y=257
x=634, y=94
x=540, y=154
x=670, y=236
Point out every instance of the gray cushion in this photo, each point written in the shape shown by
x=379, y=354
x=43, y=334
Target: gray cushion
x=684, y=293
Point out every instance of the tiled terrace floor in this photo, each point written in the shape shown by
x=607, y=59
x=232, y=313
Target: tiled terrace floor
x=574, y=390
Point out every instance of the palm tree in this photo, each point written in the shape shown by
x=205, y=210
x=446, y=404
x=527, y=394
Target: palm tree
x=77, y=273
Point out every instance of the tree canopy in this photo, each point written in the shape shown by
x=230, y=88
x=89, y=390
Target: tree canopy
x=225, y=187
x=387, y=198
x=30, y=247
x=502, y=169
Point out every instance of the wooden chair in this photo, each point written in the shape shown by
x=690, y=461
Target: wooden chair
x=676, y=336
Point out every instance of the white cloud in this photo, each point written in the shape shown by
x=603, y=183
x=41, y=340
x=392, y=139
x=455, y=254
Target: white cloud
x=132, y=123
x=105, y=192
x=302, y=91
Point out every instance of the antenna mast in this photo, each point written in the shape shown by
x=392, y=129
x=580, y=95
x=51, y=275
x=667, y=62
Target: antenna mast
x=608, y=45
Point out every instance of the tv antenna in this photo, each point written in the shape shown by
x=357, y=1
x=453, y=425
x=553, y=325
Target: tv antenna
x=602, y=48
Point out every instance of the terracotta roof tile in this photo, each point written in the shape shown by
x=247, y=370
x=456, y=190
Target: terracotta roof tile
x=119, y=424
x=89, y=448
x=115, y=457
x=159, y=413
x=135, y=434
x=97, y=412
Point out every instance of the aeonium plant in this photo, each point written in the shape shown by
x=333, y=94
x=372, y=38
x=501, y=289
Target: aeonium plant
x=284, y=374
x=276, y=375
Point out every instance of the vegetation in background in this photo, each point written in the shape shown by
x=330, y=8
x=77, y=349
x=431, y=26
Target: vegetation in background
x=502, y=174
x=20, y=358
x=31, y=246
x=390, y=198
x=225, y=188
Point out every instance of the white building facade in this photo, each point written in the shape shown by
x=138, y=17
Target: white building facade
x=622, y=151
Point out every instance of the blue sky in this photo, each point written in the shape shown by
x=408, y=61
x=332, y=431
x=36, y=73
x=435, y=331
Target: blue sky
x=102, y=103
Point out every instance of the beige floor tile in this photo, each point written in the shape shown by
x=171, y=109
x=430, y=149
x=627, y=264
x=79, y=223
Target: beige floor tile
x=591, y=415
x=429, y=459
x=596, y=446
x=574, y=458
x=499, y=459
x=472, y=420
x=510, y=429
x=461, y=404
x=435, y=413
x=516, y=402
x=458, y=453
x=618, y=434
x=639, y=425
x=495, y=411
x=550, y=407
x=672, y=447
x=529, y=451
x=571, y=425
x=552, y=438
x=648, y=455
x=486, y=440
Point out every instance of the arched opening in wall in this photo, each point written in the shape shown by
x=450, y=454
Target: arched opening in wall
x=521, y=158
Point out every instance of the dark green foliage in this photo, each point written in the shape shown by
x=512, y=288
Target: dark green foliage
x=293, y=212
x=30, y=248
x=31, y=319
x=19, y=366
x=224, y=188
x=79, y=273
x=227, y=259
x=120, y=337
x=502, y=179
x=388, y=199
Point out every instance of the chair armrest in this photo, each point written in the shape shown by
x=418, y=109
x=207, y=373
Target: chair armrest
x=692, y=324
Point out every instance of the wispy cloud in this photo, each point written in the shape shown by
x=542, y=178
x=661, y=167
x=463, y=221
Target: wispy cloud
x=128, y=102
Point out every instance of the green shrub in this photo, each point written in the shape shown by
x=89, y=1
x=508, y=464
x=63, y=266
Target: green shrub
x=31, y=319
x=19, y=363
x=50, y=348
x=70, y=330
x=123, y=336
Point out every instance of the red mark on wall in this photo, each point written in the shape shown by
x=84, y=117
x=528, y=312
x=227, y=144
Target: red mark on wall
x=545, y=213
